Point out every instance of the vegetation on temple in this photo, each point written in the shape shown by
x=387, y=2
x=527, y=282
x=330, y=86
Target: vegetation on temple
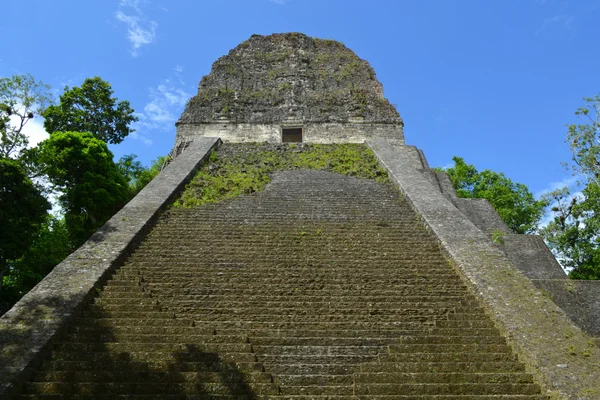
x=272, y=78
x=74, y=165
x=245, y=169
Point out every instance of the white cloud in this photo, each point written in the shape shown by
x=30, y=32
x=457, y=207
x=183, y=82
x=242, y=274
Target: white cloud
x=562, y=20
x=33, y=129
x=166, y=99
x=570, y=182
x=280, y=1
x=166, y=102
x=141, y=30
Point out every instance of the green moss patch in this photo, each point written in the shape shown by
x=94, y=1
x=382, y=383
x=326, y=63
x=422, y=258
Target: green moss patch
x=246, y=168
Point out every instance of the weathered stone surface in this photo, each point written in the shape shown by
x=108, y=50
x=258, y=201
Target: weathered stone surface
x=482, y=214
x=28, y=328
x=531, y=256
x=289, y=79
x=580, y=300
x=316, y=286
x=557, y=352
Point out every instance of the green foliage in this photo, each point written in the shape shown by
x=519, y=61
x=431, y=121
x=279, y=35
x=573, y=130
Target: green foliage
x=574, y=232
x=21, y=98
x=348, y=70
x=514, y=202
x=82, y=168
x=91, y=108
x=136, y=174
x=50, y=246
x=228, y=175
x=584, y=138
x=22, y=210
x=498, y=236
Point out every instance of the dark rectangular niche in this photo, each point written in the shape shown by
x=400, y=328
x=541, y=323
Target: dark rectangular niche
x=291, y=135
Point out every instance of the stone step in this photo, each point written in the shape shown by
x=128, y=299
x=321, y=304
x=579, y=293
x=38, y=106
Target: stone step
x=133, y=375
x=174, y=347
x=383, y=276
x=318, y=390
x=263, y=350
x=313, y=359
x=191, y=354
x=436, y=338
x=392, y=241
x=262, y=260
x=283, y=284
x=175, y=264
x=286, y=309
x=116, y=292
x=287, y=381
x=191, y=337
x=116, y=331
x=289, y=302
x=442, y=367
x=450, y=348
x=439, y=377
x=110, y=322
x=280, y=317
x=249, y=326
x=213, y=362
x=458, y=357
x=447, y=389
x=230, y=387
x=464, y=324
x=278, y=397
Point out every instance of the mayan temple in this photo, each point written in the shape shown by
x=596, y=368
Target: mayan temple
x=295, y=247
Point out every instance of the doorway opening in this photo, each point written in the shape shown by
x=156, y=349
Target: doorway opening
x=291, y=135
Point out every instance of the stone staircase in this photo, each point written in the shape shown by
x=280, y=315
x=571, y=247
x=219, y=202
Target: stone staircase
x=321, y=287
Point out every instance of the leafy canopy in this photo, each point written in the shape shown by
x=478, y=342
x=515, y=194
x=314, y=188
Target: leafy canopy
x=82, y=168
x=50, y=246
x=514, y=202
x=136, y=174
x=91, y=108
x=22, y=209
x=573, y=234
x=21, y=99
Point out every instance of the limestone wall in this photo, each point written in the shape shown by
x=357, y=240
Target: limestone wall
x=313, y=133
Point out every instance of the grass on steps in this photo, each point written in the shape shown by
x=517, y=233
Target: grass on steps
x=246, y=168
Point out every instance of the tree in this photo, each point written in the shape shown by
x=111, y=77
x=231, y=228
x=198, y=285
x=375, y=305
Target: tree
x=514, y=202
x=136, y=174
x=91, y=108
x=21, y=98
x=50, y=246
x=22, y=209
x=573, y=234
x=584, y=140
x=81, y=167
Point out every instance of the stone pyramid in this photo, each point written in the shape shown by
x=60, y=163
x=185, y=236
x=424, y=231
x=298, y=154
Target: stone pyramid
x=321, y=286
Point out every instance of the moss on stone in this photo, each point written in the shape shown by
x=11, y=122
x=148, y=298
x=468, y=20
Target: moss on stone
x=239, y=169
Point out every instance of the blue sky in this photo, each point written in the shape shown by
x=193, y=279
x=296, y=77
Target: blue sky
x=491, y=81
